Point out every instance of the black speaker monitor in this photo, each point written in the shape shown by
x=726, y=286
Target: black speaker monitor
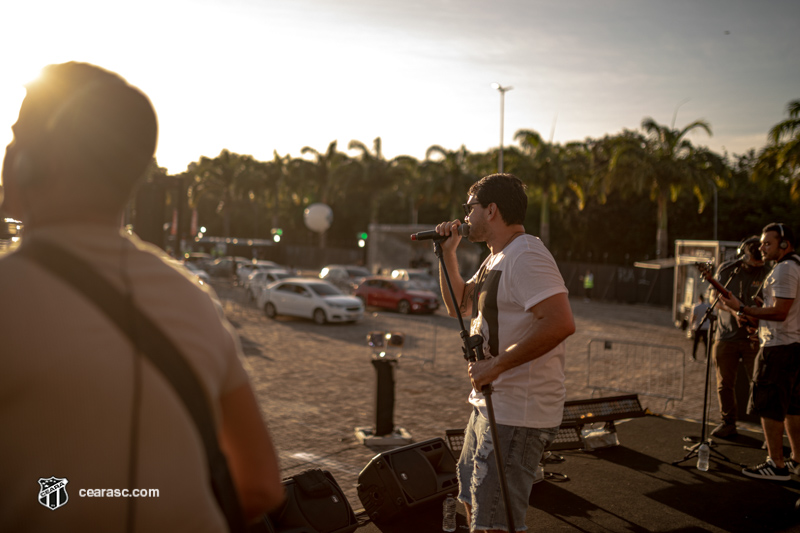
x=407, y=477
x=314, y=504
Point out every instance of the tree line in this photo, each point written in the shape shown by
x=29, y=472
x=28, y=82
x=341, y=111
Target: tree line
x=614, y=199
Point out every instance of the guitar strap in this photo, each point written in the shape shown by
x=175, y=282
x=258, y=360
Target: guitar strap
x=791, y=255
x=158, y=348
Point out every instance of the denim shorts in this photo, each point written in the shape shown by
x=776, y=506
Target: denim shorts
x=478, y=480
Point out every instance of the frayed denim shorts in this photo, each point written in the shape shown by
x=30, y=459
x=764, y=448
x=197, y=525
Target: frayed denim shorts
x=478, y=479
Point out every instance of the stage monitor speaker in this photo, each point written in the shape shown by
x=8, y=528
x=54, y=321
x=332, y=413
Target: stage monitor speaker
x=407, y=477
x=314, y=504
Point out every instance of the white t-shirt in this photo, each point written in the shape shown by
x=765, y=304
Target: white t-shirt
x=782, y=282
x=67, y=390
x=517, y=278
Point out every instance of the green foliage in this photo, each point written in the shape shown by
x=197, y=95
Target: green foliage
x=600, y=199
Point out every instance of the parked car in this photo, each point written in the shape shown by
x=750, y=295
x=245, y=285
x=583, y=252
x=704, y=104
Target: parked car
x=310, y=298
x=192, y=268
x=258, y=280
x=418, y=275
x=223, y=267
x=346, y=277
x=197, y=271
x=245, y=269
x=199, y=259
x=403, y=296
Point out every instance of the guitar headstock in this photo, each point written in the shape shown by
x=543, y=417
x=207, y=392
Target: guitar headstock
x=706, y=269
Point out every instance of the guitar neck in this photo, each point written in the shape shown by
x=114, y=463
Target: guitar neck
x=710, y=279
x=714, y=283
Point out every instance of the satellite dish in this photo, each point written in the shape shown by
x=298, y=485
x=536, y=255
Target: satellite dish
x=318, y=217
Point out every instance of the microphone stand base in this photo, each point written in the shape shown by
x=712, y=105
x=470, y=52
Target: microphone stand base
x=398, y=437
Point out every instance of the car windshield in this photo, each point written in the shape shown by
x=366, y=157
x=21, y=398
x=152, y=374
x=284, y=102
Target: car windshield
x=323, y=289
x=357, y=272
x=408, y=285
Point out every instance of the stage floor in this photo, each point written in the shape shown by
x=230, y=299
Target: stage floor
x=634, y=487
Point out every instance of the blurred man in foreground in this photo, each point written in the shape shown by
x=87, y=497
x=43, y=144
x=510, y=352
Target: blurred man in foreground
x=519, y=305
x=83, y=411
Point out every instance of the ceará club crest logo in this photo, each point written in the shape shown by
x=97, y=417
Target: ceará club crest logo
x=53, y=492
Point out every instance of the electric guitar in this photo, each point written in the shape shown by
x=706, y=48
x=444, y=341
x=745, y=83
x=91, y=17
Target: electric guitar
x=706, y=270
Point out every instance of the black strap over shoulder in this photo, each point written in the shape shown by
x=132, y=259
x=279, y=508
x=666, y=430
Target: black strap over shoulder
x=791, y=255
x=151, y=342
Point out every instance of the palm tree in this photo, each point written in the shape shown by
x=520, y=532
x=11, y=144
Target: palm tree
x=414, y=184
x=781, y=157
x=324, y=174
x=378, y=176
x=219, y=178
x=325, y=170
x=542, y=163
x=660, y=163
x=452, y=176
x=277, y=173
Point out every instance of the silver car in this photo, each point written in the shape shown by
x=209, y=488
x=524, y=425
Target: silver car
x=310, y=298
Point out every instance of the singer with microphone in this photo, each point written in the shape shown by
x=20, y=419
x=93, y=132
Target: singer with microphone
x=518, y=304
x=733, y=342
x=433, y=235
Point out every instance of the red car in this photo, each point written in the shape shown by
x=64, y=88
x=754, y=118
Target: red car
x=404, y=296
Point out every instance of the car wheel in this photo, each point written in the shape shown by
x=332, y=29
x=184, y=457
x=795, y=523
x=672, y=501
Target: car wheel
x=404, y=307
x=269, y=310
x=319, y=316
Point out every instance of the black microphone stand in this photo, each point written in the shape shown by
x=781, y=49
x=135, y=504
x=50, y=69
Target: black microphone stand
x=693, y=450
x=473, y=351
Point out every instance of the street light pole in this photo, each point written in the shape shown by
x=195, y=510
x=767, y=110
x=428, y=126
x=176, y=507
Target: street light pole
x=715, y=207
x=502, y=113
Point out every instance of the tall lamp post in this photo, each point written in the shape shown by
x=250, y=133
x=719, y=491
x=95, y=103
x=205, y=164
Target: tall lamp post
x=715, y=207
x=502, y=113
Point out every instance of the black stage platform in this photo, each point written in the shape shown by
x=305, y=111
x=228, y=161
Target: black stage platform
x=634, y=487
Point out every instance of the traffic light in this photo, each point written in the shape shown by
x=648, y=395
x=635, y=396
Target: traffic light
x=362, y=239
x=277, y=233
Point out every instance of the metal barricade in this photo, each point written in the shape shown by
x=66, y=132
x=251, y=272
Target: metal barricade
x=636, y=368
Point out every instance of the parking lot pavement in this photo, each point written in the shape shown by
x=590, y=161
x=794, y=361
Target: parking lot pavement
x=316, y=384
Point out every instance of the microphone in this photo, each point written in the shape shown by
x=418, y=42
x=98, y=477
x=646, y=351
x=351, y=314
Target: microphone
x=463, y=230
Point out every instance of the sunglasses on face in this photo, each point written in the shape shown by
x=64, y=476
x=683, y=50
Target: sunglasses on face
x=468, y=208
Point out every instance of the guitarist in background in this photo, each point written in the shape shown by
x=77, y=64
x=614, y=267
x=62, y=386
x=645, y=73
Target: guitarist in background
x=733, y=342
x=775, y=396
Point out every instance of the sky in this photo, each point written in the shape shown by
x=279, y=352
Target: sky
x=259, y=76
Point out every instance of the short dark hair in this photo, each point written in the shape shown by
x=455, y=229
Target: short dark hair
x=108, y=127
x=784, y=232
x=507, y=192
x=750, y=245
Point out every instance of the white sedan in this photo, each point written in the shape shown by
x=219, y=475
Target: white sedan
x=310, y=298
